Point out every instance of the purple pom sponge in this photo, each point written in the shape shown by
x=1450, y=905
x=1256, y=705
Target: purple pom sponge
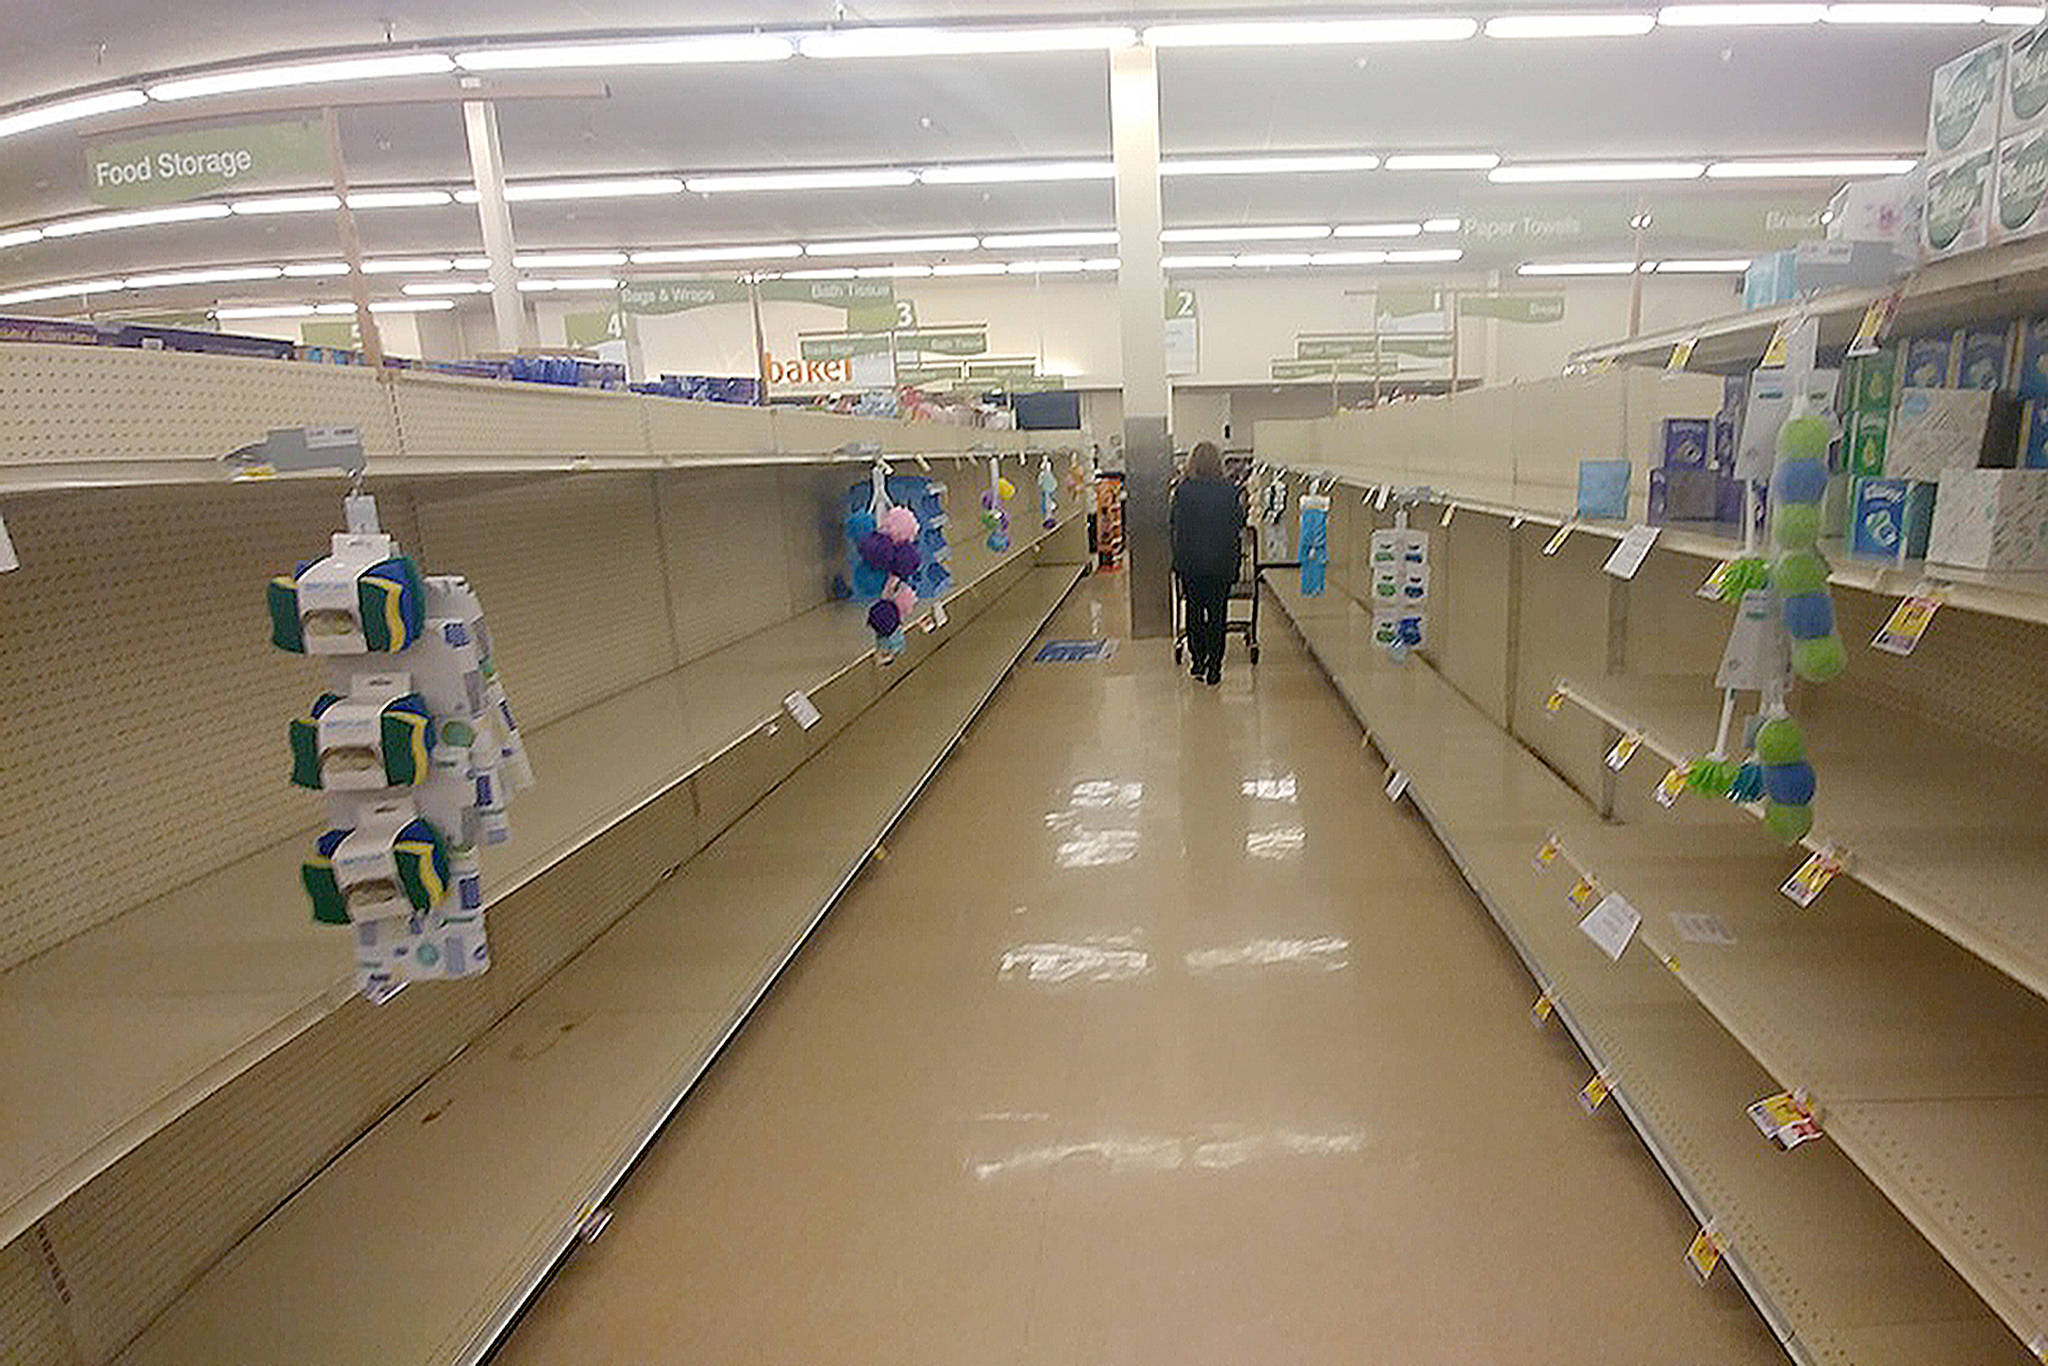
x=904, y=559
x=884, y=617
x=878, y=550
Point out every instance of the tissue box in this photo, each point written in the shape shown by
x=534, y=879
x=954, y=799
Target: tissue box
x=1937, y=429
x=1873, y=389
x=1886, y=209
x=1603, y=489
x=2034, y=435
x=2021, y=194
x=1991, y=519
x=1687, y=440
x=1930, y=361
x=2025, y=101
x=2032, y=379
x=1958, y=213
x=1722, y=461
x=1682, y=495
x=1962, y=115
x=1985, y=357
x=1889, y=510
x=1867, y=436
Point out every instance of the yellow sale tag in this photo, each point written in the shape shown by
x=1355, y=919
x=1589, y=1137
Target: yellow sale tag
x=1556, y=542
x=1877, y=320
x=1583, y=892
x=1672, y=785
x=1540, y=1012
x=1711, y=589
x=1547, y=852
x=1554, y=702
x=1670, y=962
x=1909, y=621
x=1681, y=354
x=1811, y=878
x=1704, y=1255
x=1780, y=343
x=1592, y=1093
x=1624, y=750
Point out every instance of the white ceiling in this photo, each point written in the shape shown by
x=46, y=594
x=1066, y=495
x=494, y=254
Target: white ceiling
x=1693, y=93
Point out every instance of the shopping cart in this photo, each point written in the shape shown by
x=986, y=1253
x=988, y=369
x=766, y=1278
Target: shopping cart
x=1244, y=593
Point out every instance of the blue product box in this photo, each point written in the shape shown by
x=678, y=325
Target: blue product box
x=2033, y=367
x=1687, y=442
x=1722, y=461
x=1603, y=489
x=1930, y=361
x=1985, y=357
x=2034, y=435
x=1886, y=510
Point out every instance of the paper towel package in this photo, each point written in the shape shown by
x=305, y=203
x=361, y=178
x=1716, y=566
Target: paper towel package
x=2022, y=191
x=1985, y=357
x=1962, y=111
x=1930, y=360
x=1991, y=519
x=2033, y=365
x=2025, y=102
x=1958, y=213
x=1937, y=429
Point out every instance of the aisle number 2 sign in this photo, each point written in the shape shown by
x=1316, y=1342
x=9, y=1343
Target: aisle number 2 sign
x=1183, y=333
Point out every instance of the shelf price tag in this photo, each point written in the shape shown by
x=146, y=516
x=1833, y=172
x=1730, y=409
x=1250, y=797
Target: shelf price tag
x=1397, y=784
x=1594, y=1092
x=1539, y=1014
x=1386, y=492
x=1672, y=786
x=1681, y=353
x=1547, y=852
x=1812, y=877
x=1785, y=1119
x=2038, y=1345
x=1704, y=1254
x=1877, y=321
x=798, y=704
x=938, y=613
x=1611, y=924
x=1776, y=349
x=1555, y=702
x=1711, y=588
x=1900, y=635
x=1449, y=508
x=1556, y=542
x=8, y=559
x=1630, y=552
x=1583, y=892
x=1624, y=750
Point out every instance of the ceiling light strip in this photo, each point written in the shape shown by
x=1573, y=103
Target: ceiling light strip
x=704, y=49
x=1570, y=25
x=1307, y=32
x=885, y=41
x=304, y=73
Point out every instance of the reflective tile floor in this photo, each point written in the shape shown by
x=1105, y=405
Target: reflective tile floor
x=1160, y=1036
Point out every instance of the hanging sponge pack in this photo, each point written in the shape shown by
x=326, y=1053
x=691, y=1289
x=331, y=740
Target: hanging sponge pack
x=362, y=599
x=1787, y=778
x=1799, y=574
x=394, y=863
x=381, y=735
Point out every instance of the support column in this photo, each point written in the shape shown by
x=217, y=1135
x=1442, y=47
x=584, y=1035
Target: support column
x=1141, y=291
x=487, y=167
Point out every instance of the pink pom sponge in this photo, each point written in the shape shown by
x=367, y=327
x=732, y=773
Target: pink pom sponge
x=905, y=598
x=899, y=524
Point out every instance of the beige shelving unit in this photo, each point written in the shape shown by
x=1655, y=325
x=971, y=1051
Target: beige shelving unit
x=1908, y=1002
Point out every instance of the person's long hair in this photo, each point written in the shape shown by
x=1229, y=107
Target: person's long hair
x=1205, y=461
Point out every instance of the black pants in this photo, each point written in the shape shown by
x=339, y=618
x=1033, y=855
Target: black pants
x=1207, y=599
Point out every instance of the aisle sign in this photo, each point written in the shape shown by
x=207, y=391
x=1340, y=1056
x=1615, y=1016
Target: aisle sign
x=1183, y=333
x=588, y=331
x=1513, y=308
x=174, y=167
x=1900, y=635
x=870, y=305
x=1611, y=924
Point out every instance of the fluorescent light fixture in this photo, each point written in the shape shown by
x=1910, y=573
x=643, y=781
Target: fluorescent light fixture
x=949, y=42
x=304, y=73
x=1096, y=264
x=1576, y=268
x=1197, y=262
x=1817, y=168
x=892, y=272
x=64, y=111
x=1570, y=25
x=1426, y=256
x=567, y=260
x=228, y=315
x=1309, y=164
x=1017, y=172
x=1442, y=224
x=971, y=268
x=1565, y=172
x=1039, y=241
x=878, y=179
x=20, y=237
x=138, y=218
x=218, y=276
x=1907, y=14
x=1740, y=15
x=1443, y=161
x=313, y=270
x=890, y=246
x=1379, y=230
x=1291, y=233
x=1047, y=267
x=408, y=265
x=70, y=290
x=771, y=251
x=401, y=306
x=398, y=199
x=2017, y=16
x=834, y=273
x=288, y=203
x=630, y=188
x=1348, y=258
x=1731, y=266
x=1257, y=260
x=434, y=288
x=1310, y=32
x=737, y=47
x=472, y=263
x=578, y=284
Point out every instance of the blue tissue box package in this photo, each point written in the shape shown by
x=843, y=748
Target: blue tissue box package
x=1930, y=361
x=2033, y=367
x=1603, y=489
x=1984, y=357
x=1888, y=510
x=1688, y=441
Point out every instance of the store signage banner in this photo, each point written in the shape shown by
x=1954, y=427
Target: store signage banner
x=1513, y=308
x=1364, y=345
x=589, y=331
x=654, y=297
x=1364, y=367
x=870, y=305
x=1002, y=371
x=945, y=341
x=929, y=376
x=843, y=347
x=174, y=167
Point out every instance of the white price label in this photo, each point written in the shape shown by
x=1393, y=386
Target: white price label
x=8, y=559
x=1703, y=1255
x=1386, y=492
x=1900, y=635
x=1611, y=924
x=1397, y=784
x=1631, y=551
x=938, y=612
x=1556, y=542
x=1624, y=750
x=1449, y=508
x=802, y=710
x=1811, y=878
x=1697, y=927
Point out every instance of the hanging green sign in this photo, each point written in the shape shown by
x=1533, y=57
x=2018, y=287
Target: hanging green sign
x=1513, y=308
x=945, y=341
x=1002, y=371
x=1180, y=303
x=928, y=376
x=871, y=305
x=1037, y=384
x=843, y=347
x=340, y=335
x=588, y=331
x=651, y=297
x=173, y=167
x=1362, y=345
x=1409, y=303
x=1364, y=367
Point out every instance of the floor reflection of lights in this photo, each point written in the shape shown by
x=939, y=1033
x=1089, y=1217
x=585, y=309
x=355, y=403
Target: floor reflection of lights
x=1101, y=958
x=1323, y=953
x=1279, y=841
x=1279, y=789
x=1086, y=847
x=1096, y=848
x=1215, y=1148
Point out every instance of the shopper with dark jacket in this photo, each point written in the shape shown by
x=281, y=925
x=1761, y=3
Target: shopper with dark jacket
x=1208, y=527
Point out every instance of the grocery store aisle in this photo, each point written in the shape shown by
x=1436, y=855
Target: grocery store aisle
x=1159, y=1037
